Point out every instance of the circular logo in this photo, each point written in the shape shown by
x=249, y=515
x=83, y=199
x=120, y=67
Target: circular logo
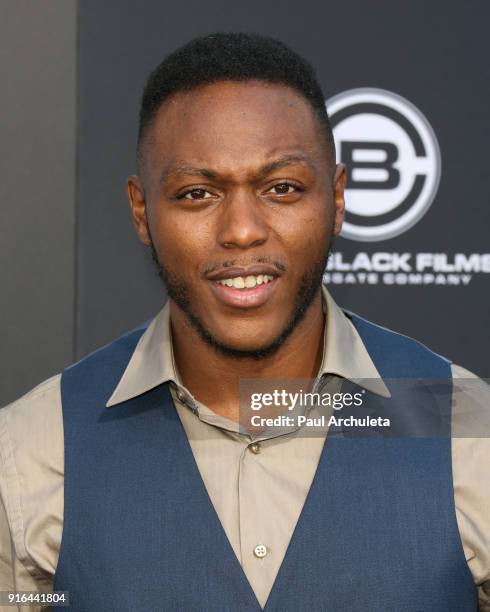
x=393, y=162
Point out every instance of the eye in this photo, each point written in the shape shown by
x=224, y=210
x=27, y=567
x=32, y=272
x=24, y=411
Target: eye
x=283, y=189
x=196, y=194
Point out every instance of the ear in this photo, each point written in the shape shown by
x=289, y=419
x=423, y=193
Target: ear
x=338, y=191
x=137, y=203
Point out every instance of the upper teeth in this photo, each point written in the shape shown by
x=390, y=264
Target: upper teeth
x=246, y=282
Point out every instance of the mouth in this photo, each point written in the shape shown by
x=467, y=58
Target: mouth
x=248, y=291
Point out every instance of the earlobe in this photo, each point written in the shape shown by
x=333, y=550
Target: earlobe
x=339, y=190
x=137, y=203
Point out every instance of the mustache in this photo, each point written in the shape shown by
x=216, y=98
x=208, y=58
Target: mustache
x=276, y=262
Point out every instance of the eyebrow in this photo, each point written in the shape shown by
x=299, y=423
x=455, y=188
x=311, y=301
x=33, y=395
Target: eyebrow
x=277, y=164
x=283, y=161
x=186, y=170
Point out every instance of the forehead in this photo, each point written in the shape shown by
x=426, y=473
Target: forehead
x=232, y=125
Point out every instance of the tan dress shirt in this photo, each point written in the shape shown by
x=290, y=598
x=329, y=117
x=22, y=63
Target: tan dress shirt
x=257, y=486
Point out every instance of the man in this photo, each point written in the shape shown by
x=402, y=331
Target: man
x=129, y=480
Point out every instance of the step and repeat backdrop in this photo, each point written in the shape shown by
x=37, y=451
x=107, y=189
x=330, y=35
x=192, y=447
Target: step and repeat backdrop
x=406, y=85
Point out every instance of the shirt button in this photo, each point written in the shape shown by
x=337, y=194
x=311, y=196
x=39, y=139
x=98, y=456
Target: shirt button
x=255, y=448
x=181, y=395
x=260, y=551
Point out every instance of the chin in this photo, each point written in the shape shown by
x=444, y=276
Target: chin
x=241, y=337
x=250, y=336
x=247, y=343
x=245, y=346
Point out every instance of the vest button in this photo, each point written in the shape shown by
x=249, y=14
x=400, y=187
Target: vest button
x=255, y=448
x=260, y=551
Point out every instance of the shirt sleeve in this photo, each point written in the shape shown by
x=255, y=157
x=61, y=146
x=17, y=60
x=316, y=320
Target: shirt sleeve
x=31, y=491
x=13, y=575
x=471, y=470
x=6, y=565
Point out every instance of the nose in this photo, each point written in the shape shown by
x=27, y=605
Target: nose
x=241, y=223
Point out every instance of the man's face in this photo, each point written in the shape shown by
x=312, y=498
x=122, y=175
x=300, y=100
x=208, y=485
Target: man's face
x=240, y=201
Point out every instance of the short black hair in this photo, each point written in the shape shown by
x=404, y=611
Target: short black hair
x=231, y=56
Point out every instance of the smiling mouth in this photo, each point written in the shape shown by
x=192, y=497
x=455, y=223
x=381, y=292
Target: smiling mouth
x=248, y=291
x=246, y=282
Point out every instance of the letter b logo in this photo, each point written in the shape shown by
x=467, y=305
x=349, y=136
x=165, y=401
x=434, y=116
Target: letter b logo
x=351, y=155
x=392, y=158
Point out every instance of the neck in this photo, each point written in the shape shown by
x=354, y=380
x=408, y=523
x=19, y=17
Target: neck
x=213, y=378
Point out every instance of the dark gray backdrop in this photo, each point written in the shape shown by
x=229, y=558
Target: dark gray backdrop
x=433, y=53
x=37, y=191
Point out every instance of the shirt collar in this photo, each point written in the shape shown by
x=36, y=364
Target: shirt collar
x=344, y=354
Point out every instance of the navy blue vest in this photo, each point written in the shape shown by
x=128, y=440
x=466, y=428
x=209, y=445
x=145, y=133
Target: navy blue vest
x=377, y=533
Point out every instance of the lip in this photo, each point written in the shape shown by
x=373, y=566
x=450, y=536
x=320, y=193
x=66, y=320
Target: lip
x=250, y=271
x=244, y=298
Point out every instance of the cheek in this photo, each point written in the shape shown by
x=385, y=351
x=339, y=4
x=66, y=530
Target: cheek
x=306, y=235
x=181, y=242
